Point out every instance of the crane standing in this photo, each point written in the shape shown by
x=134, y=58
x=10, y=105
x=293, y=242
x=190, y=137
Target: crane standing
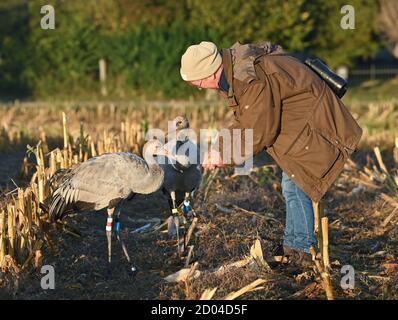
x=106, y=181
x=182, y=171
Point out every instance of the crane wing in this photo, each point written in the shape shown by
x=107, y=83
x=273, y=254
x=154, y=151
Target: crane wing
x=102, y=179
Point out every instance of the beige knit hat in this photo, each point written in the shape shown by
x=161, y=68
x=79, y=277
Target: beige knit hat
x=200, y=61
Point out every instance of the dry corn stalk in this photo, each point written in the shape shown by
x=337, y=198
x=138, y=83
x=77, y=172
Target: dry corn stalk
x=65, y=130
x=23, y=216
x=325, y=241
x=53, y=163
x=2, y=236
x=11, y=230
x=24, y=168
x=321, y=230
x=318, y=215
x=189, y=233
x=183, y=275
x=237, y=264
x=189, y=256
x=395, y=153
x=380, y=160
x=208, y=294
x=325, y=276
x=256, y=252
x=250, y=287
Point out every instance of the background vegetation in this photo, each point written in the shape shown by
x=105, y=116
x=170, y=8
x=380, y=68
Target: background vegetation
x=142, y=40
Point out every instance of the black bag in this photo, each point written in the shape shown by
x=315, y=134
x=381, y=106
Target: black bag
x=335, y=82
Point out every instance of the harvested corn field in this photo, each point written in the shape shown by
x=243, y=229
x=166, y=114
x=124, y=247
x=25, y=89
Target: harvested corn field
x=179, y=151
x=238, y=225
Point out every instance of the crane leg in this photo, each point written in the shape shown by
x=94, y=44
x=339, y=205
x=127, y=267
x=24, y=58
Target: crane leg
x=108, y=229
x=175, y=218
x=186, y=209
x=187, y=203
x=170, y=220
x=177, y=224
x=124, y=248
x=173, y=201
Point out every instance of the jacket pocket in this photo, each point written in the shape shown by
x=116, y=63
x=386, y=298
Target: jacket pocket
x=314, y=152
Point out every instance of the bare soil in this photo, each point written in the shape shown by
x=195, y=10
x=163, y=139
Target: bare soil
x=357, y=238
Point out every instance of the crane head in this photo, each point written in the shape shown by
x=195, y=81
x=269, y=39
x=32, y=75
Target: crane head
x=181, y=122
x=178, y=124
x=154, y=148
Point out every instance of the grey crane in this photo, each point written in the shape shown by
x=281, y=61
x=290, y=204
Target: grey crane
x=106, y=181
x=182, y=171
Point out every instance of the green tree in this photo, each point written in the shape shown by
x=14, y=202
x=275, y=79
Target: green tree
x=143, y=40
x=14, y=36
x=283, y=22
x=335, y=44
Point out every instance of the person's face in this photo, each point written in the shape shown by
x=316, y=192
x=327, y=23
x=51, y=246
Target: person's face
x=207, y=83
x=196, y=83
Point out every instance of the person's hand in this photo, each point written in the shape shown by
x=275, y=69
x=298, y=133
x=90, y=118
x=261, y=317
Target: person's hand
x=212, y=159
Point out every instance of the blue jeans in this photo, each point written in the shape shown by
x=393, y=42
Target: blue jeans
x=299, y=228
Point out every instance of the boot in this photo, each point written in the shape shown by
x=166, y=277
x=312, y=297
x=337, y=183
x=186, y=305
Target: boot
x=298, y=258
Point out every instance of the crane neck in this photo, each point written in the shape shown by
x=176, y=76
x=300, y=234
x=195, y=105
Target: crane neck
x=153, y=180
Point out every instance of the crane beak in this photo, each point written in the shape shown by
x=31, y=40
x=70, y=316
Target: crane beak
x=164, y=152
x=161, y=152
